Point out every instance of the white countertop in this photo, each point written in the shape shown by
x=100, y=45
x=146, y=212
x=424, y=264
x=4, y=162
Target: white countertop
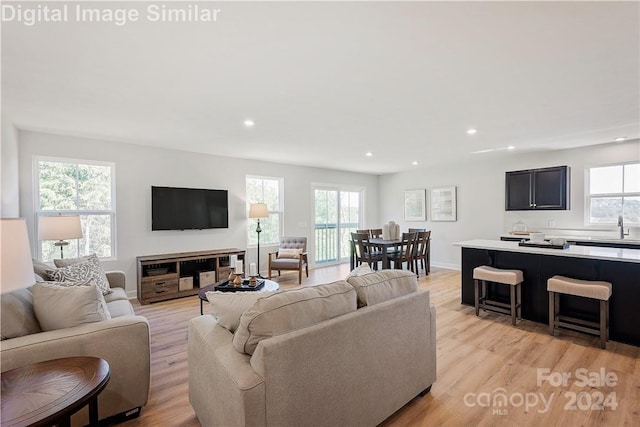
x=626, y=241
x=592, y=252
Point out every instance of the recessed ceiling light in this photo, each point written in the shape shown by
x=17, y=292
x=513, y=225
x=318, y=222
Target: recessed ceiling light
x=620, y=139
x=249, y=123
x=472, y=131
x=511, y=147
x=414, y=163
x=368, y=154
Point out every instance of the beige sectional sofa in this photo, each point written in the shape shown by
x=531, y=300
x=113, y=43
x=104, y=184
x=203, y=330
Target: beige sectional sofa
x=349, y=353
x=123, y=341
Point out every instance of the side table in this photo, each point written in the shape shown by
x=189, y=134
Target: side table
x=49, y=392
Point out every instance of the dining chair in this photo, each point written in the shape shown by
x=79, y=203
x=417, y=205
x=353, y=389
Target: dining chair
x=376, y=233
x=422, y=251
x=405, y=252
x=363, y=231
x=364, y=251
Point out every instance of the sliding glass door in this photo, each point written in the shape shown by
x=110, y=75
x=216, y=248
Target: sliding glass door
x=338, y=212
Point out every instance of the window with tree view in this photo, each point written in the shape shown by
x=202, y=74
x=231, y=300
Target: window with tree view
x=84, y=188
x=265, y=190
x=614, y=190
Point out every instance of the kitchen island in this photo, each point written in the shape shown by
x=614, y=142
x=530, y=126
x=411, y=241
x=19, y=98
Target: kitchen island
x=620, y=266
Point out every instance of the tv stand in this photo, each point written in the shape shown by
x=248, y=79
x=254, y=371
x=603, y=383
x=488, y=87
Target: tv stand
x=168, y=276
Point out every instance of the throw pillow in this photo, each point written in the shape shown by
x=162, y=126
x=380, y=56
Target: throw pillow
x=229, y=306
x=64, y=305
x=383, y=285
x=40, y=269
x=83, y=271
x=361, y=270
x=292, y=310
x=18, y=317
x=289, y=253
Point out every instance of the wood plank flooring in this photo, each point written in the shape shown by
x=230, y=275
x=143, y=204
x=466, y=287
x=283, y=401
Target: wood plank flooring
x=477, y=358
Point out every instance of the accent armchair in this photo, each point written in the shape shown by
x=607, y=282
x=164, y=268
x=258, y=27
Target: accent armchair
x=292, y=255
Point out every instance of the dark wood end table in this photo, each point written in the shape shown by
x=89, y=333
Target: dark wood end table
x=46, y=393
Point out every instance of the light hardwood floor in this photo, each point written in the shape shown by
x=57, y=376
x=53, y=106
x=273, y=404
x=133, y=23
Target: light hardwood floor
x=476, y=358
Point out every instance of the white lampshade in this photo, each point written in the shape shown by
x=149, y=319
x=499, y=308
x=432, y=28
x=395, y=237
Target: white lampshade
x=258, y=210
x=16, y=266
x=60, y=227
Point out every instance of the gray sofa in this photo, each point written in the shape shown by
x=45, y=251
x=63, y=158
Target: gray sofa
x=122, y=341
x=353, y=369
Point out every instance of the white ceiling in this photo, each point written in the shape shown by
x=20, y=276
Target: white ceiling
x=327, y=81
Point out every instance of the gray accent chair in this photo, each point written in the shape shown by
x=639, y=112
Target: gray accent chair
x=278, y=264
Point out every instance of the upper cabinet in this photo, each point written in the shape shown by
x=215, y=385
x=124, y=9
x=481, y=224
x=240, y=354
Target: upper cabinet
x=537, y=189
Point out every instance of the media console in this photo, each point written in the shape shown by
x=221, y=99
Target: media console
x=168, y=276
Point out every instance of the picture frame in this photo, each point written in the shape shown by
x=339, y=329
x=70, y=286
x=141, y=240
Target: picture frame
x=415, y=205
x=443, y=202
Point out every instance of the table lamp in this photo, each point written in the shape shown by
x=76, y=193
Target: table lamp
x=60, y=228
x=16, y=266
x=258, y=210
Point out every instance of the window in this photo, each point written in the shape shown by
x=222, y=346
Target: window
x=77, y=187
x=613, y=190
x=265, y=190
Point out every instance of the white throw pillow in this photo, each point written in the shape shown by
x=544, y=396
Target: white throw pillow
x=83, y=270
x=289, y=253
x=64, y=305
x=229, y=306
x=361, y=270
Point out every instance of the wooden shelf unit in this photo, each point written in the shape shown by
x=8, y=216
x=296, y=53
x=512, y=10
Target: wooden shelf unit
x=168, y=276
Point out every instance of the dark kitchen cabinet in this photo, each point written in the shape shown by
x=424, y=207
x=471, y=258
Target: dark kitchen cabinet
x=537, y=189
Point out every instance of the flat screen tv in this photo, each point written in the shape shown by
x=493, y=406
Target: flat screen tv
x=188, y=208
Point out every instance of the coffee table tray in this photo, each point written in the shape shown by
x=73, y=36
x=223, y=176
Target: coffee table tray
x=225, y=286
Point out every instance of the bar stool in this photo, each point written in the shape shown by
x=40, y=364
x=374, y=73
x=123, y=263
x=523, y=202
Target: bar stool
x=583, y=288
x=513, y=278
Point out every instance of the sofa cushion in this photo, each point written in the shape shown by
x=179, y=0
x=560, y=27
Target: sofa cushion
x=229, y=306
x=81, y=270
x=18, y=317
x=383, y=285
x=119, y=308
x=290, y=310
x=59, y=306
x=116, y=295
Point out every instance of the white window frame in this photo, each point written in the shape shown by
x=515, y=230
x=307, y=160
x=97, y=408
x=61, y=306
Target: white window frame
x=39, y=212
x=279, y=211
x=588, y=196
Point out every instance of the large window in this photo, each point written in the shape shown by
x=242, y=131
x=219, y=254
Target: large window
x=267, y=190
x=613, y=190
x=77, y=187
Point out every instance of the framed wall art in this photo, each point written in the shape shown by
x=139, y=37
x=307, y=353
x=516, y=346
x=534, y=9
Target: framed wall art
x=415, y=208
x=443, y=204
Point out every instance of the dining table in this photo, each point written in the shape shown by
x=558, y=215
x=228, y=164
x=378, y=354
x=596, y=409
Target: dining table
x=381, y=244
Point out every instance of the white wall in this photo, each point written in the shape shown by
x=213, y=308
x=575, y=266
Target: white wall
x=480, y=185
x=9, y=203
x=140, y=167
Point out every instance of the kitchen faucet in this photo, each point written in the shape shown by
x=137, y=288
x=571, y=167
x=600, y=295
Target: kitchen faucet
x=621, y=225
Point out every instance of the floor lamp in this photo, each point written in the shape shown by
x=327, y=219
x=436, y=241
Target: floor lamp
x=60, y=228
x=257, y=211
x=16, y=267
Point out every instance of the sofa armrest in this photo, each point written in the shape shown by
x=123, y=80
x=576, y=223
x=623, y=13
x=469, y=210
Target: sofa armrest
x=123, y=342
x=116, y=279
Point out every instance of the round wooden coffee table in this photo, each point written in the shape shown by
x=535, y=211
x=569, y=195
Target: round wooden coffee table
x=48, y=393
x=269, y=285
